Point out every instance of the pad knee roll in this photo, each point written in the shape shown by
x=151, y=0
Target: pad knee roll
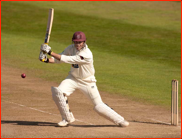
x=62, y=103
x=105, y=111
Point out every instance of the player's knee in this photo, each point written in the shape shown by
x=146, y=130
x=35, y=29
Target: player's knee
x=99, y=107
x=56, y=93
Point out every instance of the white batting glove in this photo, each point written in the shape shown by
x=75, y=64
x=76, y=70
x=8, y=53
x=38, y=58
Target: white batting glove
x=46, y=48
x=43, y=57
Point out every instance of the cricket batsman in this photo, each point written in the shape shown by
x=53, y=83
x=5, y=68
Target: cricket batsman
x=81, y=76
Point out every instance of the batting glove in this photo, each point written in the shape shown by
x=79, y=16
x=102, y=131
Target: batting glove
x=46, y=48
x=43, y=57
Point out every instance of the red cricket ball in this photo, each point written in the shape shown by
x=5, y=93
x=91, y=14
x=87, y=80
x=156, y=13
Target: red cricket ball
x=23, y=75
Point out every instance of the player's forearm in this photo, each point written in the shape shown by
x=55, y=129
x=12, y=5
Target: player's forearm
x=56, y=56
x=51, y=60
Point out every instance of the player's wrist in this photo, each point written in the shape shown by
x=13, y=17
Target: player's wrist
x=47, y=61
x=50, y=52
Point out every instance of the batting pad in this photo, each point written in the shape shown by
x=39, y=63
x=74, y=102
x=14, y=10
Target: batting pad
x=60, y=101
x=105, y=111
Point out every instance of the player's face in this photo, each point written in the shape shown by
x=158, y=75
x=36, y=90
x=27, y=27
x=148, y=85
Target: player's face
x=79, y=45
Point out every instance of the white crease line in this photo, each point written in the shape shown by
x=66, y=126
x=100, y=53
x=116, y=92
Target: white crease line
x=75, y=119
x=44, y=111
x=159, y=121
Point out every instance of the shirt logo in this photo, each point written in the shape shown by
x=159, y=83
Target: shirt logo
x=75, y=66
x=81, y=57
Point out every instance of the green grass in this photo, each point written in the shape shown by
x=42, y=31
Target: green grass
x=136, y=45
x=145, y=13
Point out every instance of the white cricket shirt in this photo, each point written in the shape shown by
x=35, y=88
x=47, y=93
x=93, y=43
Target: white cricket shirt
x=81, y=63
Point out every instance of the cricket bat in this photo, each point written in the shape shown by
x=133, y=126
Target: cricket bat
x=49, y=26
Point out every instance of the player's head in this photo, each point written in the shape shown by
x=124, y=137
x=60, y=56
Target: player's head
x=79, y=36
x=79, y=40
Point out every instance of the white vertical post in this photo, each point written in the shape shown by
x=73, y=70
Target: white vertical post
x=174, y=103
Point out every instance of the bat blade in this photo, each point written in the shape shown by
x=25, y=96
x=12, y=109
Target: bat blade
x=49, y=25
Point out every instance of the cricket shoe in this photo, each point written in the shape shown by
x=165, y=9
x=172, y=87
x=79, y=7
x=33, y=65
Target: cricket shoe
x=65, y=123
x=124, y=123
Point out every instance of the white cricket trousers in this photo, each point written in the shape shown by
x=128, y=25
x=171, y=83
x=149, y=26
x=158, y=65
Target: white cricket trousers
x=70, y=84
